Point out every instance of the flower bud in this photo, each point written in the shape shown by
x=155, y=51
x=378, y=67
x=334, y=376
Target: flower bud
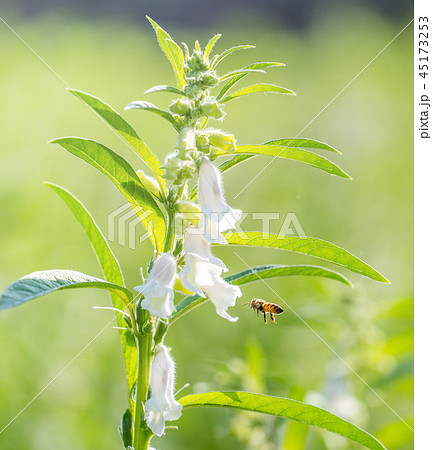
x=177, y=169
x=186, y=142
x=189, y=214
x=212, y=108
x=149, y=182
x=222, y=140
x=202, y=141
x=180, y=106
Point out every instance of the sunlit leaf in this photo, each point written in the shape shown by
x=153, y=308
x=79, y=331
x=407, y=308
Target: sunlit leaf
x=172, y=51
x=235, y=73
x=44, y=282
x=303, y=143
x=279, y=151
x=256, y=88
x=210, y=45
x=283, y=407
x=124, y=177
x=147, y=106
x=123, y=128
x=111, y=270
x=233, y=81
x=164, y=88
x=218, y=58
x=261, y=273
x=306, y=245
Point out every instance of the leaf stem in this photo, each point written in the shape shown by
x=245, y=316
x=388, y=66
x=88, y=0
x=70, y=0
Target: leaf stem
x=142, y=433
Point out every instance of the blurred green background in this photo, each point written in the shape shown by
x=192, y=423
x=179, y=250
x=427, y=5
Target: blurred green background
x=369, y=326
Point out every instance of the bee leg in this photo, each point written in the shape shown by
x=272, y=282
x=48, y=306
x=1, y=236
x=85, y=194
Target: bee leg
x=257, y=313
x=265, y=318
x=272, y=318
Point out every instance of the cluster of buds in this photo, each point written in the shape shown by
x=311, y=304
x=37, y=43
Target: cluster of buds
x=192, y=145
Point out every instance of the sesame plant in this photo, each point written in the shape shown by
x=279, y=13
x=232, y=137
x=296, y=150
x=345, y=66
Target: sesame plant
x=182, y=206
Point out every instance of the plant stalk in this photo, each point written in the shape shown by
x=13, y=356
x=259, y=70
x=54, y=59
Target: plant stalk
x=170, y=236
x=142, y=435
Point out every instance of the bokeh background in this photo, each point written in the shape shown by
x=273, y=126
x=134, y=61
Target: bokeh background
x=110, y=51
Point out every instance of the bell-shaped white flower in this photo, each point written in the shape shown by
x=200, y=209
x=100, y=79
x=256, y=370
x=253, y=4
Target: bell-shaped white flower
x=223, y=295
x=218, y=216
x=158, y=291
x=202, y=271
x=162, y=405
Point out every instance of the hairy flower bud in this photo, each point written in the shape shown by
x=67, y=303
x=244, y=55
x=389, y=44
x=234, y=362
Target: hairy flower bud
x=212, y=108
x=149, y=182
x=222, y=140
x=189, y=214
x=180, y=106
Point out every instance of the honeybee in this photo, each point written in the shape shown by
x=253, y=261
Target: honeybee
x=259, y=305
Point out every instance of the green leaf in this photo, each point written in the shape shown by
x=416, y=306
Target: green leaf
x=44, y=282
x=126, y=429
x=280, y=151
x=111, y=270
x=122, y=127
x=172, y=51
x=309, y=246
x=277, y=271
x=304, y=143
x=284, y=407
x=233, y=81
x=210, y=45
x=218, y=58
x=124, y=177
x=147, y=106
x=257, y=274
x=164, y=88
x=255, y=88
x=228, y=164
x=234, y=73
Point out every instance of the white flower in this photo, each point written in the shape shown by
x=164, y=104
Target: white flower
x=158, y=291
x=218, y=216
x=202, y=271
x=162, y=405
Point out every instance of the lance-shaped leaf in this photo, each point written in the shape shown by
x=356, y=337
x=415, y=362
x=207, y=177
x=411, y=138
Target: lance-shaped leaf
x=111, y=270
x=164, y=88
x=308, y=246
x=233, y=81
x=218, y=58
x=303, y=143
x=147, y=106
x=293, y=153
x=210, y=45
x=257, y=274
x=235, y=73
x=256, y=88
x=124, y=177
x=124, y=129
x=172, y=51
x=283, y=407
x=44, y=282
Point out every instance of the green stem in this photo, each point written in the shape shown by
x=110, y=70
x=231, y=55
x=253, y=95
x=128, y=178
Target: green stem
x=170, y=236
x=142, y=435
